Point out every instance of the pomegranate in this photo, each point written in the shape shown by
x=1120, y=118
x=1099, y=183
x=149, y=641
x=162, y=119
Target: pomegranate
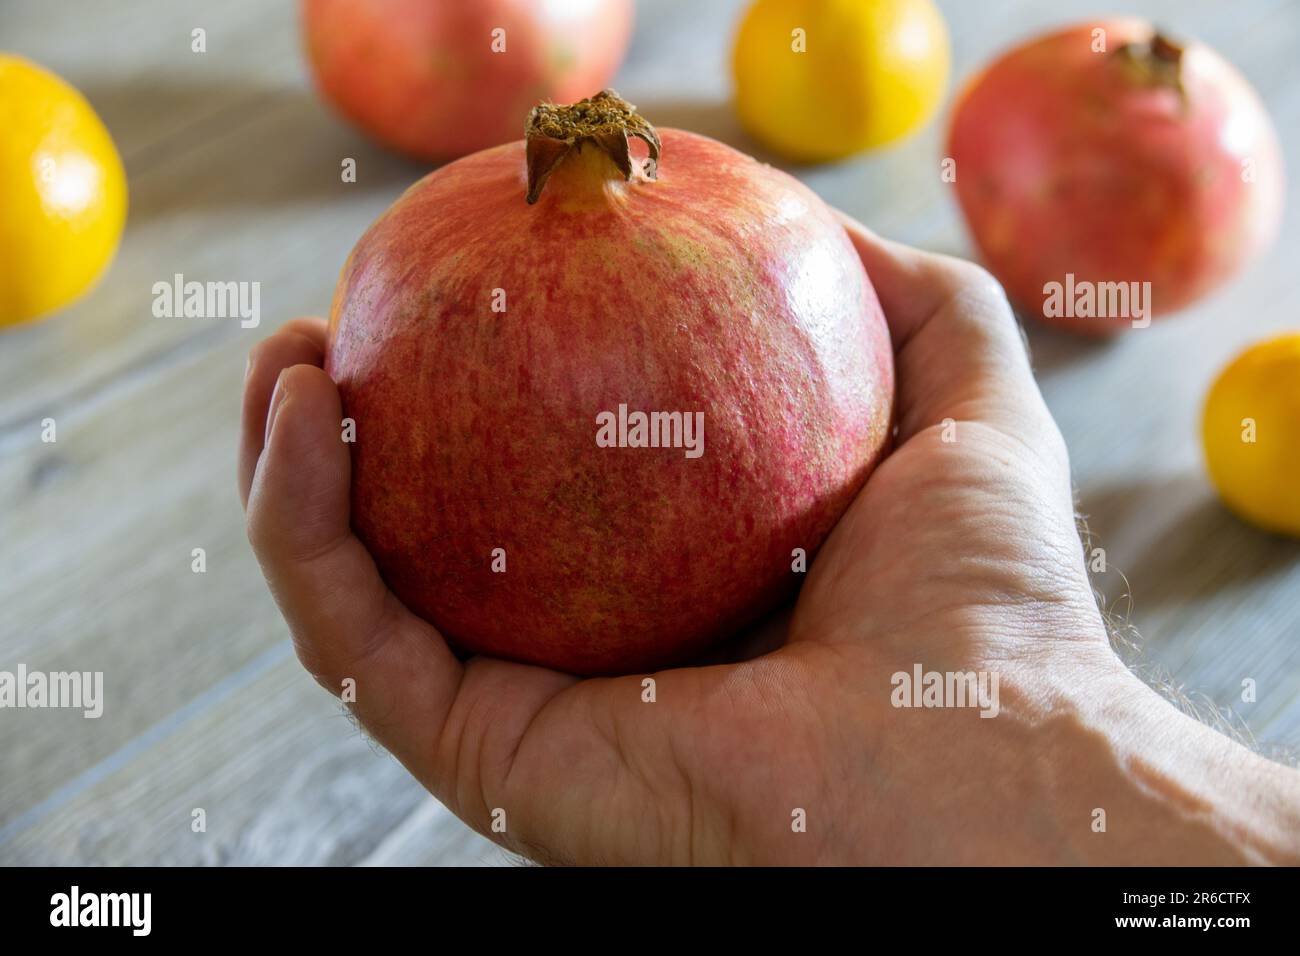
x=437, y=79
x=1105, y=156
x=603, y=396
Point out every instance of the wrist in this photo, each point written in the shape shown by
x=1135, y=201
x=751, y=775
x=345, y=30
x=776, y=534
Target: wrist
x=1129, y=779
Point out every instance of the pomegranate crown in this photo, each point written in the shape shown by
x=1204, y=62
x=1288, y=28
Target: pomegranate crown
x=605, y=120
x=1156, y=62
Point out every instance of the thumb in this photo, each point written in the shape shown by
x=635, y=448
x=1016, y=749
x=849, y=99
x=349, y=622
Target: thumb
x=344, y=621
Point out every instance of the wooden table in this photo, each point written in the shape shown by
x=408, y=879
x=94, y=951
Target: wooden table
x=234, y=175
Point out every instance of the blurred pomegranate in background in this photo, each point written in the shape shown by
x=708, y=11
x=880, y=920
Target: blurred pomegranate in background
x=1108, y=153
x=437, y=79
x=494, y=331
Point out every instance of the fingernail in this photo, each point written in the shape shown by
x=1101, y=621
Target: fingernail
x=248, y=366
x=277, y=399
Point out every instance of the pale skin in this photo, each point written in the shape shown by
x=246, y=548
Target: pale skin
x=959, y=555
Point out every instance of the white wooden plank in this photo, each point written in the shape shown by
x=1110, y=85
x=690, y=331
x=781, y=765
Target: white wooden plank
x=234, y=175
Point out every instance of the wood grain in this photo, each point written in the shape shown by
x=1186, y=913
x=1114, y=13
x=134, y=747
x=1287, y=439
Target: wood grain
x=234, y=176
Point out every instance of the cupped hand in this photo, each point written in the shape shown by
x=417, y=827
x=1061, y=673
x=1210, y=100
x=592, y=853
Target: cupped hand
x=959, y=555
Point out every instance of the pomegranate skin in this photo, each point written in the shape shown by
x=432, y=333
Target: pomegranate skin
x=1071, y=161
x=421, y=76
x=724, y=287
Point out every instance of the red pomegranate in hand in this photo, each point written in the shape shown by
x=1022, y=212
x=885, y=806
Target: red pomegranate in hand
x=437, y=79
x=603, y=403
x=1106, y=155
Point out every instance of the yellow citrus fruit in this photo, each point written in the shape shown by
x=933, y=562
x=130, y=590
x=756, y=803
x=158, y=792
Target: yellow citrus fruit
x=62, y=192
x=819, y=80
x=1251, y=431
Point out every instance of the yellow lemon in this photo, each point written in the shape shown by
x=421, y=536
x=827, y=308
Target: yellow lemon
x=1251, y=430
x=62, y=193
x=822, y=79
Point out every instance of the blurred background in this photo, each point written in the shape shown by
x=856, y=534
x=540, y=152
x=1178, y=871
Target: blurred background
x=233, y=166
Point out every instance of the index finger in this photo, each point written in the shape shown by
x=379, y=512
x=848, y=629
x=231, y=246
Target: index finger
x=297, y=342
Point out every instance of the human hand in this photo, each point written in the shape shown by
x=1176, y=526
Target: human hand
x=959, y=555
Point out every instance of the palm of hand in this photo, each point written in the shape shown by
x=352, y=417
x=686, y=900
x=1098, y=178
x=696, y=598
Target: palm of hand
x=960, y=549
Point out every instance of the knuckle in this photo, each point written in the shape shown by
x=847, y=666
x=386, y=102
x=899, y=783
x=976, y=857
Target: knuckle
x=253, y=525
x=258, y=350
x=983, y=285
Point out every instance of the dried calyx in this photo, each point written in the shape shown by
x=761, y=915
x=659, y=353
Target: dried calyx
x=605, y=120
x=1156, y=62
